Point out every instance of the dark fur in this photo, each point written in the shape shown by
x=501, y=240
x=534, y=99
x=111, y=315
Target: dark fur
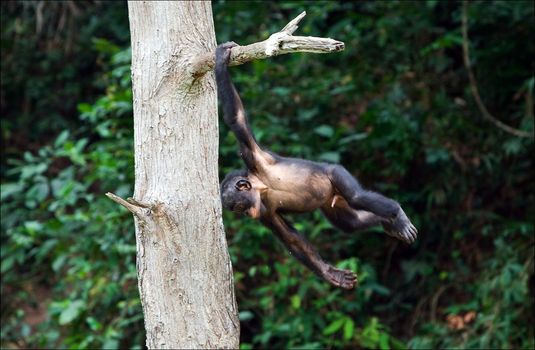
x=283, y=185
x=229, y=196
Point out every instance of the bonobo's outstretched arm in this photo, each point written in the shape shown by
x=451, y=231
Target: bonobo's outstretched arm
x=303, y=251
x=234, y=113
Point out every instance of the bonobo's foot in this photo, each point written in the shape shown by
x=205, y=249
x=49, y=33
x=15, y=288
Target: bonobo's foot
x=340, y=278
x=223, y=50
x=401, y=228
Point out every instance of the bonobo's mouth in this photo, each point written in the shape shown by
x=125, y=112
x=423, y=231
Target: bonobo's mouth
x=239, y=209
x=251, y=212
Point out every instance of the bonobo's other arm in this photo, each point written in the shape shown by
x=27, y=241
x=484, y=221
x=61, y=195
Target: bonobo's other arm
x=303, y=251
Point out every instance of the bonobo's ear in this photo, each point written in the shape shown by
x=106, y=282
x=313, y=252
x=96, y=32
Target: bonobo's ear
x=242, y=185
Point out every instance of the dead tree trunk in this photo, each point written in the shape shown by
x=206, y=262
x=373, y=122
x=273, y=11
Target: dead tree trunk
x=184, y=271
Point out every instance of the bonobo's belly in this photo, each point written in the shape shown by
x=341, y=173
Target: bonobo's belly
x=297, y=187
x=294, y=201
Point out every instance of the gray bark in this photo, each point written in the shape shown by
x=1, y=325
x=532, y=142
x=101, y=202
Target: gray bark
x=185, y=275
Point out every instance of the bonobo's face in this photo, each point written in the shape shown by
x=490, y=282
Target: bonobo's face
x=238, y=195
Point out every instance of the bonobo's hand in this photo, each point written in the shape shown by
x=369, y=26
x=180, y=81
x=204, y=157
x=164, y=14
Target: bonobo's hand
x=222, y=52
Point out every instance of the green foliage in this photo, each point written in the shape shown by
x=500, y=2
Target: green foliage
x=63, y=235
x=394, y=108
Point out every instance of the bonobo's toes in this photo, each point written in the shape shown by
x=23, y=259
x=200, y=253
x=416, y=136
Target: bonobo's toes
x=414, y=232
x=341, y=278
x=410, y=236
x=407, y=235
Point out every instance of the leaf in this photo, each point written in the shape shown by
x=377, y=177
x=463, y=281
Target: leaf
x=32, y=227
x=38, y=192
x=31, y=170
x=93, y=324
x=105, y=46
x=62, y=137
x=349, y=328
x=111, y=343
x=397, y=344
x=342, y=89
x=308, y=114
x=84, y=108
x=324, y=130
x=9, y=189
x=296, y=301
x=71, y=312
x=245, y=315
x=59, y=262
x=334, y=326
x=281, y=91
x=512, y=147
x=377, y=288
x=333, y=157
x=436, y=155
x=44, y=249
x=351, y=138
x=81, y=144
x=7, y=263
x=383, y=341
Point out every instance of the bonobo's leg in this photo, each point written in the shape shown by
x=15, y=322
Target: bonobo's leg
x=396, y=223
x=351, y=220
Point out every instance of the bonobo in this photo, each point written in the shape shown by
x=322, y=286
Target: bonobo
x=272, y=185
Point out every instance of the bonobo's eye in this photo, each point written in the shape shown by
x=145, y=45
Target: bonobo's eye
x=243, y=185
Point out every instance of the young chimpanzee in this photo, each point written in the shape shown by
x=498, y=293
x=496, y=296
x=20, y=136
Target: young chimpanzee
x=272, y=185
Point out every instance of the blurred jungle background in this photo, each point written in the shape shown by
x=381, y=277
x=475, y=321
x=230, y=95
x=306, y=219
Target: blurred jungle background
x=396, y=108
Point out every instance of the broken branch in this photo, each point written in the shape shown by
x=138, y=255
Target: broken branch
x=279, y=43
x=131, y=204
